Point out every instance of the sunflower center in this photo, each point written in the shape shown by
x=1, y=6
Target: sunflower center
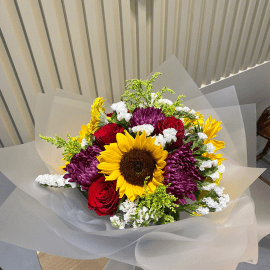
x=136, y=165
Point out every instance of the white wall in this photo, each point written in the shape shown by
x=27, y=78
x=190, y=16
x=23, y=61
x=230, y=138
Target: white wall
x=252, y=86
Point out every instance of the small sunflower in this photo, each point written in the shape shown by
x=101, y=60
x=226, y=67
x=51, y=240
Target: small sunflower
x=211, y=128
x=97, y=106
x=82, y=133
x=130, y=161
x=195, y=121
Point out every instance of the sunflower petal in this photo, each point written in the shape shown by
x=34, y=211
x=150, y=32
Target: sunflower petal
x=113, y=176
x=152, y=187
x=129, y=138
x=137, y=142
x=122, y=142
x=120, y=183
x=218, y=144
x=107, y=168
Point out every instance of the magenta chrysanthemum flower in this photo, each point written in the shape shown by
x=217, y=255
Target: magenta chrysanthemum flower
x=181, y=173
x=83, y=167
x=143, y=116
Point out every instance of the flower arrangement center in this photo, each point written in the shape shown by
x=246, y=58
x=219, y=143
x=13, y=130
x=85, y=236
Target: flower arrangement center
x=136, y=165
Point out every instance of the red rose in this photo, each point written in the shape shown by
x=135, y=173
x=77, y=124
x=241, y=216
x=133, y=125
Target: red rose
x=172, y=122
x=109, y=114
x=102, y=197
x=107, y=134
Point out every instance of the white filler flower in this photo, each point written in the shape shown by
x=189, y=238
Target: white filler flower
x=146, y=127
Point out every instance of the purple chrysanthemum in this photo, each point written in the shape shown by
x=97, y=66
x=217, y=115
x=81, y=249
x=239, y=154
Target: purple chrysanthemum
x=83, y=167
x=181, y=173
x=150, y=115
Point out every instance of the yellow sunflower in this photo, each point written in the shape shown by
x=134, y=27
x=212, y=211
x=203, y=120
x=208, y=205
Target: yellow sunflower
x=97, y=106
x=195, y=121
x=130, y=161
x=82, y=133
x=211, y=127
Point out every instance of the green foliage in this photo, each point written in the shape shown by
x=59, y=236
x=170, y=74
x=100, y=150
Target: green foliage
x=142, y=95
x=71, y=147
x=161, y=204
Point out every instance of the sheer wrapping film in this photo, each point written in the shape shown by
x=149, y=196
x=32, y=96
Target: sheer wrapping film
x=58, y=221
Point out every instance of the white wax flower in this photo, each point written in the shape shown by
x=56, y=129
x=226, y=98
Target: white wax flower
x=169, y=135
x=165, y=101
x=160, y=140
x=146, y=127
x=214, y=163
x=221, y=168
x=192, y=111
x=205, y=164
x=219, y=190
x=84, y=142
x=214, y=176
x=202, y=210
x=210, y=202
x=202, y=135
x=210, y=148
x=54, y=180
x=179, y=109
x=119, y=106
x=186, y=109
x=209, y=187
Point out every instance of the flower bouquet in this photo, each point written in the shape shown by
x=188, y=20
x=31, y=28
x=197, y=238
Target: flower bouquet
x=142, y=162
x=146, y=164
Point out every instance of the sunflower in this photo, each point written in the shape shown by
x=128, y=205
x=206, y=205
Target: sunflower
x=97, y=106
x=195, y=121
x=130, y=161
x=82, y=133
x=211, y=127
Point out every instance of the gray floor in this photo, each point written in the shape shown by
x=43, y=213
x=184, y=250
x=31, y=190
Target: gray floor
x=263, y=262
x=264, y=244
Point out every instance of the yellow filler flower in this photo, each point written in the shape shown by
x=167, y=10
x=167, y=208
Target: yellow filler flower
x=130, y=161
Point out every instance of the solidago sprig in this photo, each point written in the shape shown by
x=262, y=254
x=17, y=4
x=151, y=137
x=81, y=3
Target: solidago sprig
x=142, y=95
x=71, y=147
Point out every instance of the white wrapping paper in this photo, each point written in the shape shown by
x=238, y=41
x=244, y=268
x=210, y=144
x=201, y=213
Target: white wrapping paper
x=58, y=221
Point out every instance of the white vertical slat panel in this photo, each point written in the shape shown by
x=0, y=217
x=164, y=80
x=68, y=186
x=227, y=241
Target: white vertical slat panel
x=134, y=36
x=58, y=47
x=142, y=37
x=77, y=46
x=266, y=45
x=93, y=11
x=262, y=31
x=209, y=7
x=225, y=39
x=195, y=35
x=215, y=41
x=236, y=32
x=16, y=105
x=36, y=45
x=157, y=5
x=243, y=36
x=86, y=47
x=170, y=27
x=149, y=36
x=183, y=34
x=126, y=26
x=7, y=134
x=255, y=28
x=114, y=49
x=28, y=80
